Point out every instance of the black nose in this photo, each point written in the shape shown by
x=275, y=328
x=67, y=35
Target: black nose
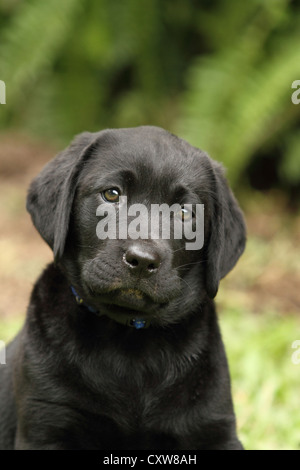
x=142, y=260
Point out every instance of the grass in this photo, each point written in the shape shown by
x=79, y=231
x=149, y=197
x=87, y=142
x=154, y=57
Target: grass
x=8, y=328
x=265, y=380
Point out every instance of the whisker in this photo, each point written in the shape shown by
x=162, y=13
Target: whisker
x=185, y=283
x=189, y=264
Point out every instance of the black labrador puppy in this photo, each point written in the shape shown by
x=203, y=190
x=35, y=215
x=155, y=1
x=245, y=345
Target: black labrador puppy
x=121, y=347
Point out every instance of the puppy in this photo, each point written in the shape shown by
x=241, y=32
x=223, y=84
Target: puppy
x=121, y=347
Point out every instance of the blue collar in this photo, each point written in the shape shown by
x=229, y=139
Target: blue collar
x=136, y=323
x=80, y=301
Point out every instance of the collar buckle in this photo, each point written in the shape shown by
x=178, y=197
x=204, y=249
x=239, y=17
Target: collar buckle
x=137, y=323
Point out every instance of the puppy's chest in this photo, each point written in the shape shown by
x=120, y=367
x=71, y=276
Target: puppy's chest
x=141, y=397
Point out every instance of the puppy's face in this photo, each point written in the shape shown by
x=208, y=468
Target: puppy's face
x=152, y=278
x=140, y=273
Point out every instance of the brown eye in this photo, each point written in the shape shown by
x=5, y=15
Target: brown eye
x=111, y=195
x=185, y=214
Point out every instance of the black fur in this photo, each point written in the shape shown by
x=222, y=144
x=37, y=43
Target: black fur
x=75, y=379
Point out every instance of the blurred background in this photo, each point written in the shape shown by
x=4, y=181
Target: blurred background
x=220, y=75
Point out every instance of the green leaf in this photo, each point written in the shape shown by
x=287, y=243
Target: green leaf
x=31, y=41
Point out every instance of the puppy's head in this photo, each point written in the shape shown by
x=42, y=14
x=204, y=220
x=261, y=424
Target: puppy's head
x=94, y=204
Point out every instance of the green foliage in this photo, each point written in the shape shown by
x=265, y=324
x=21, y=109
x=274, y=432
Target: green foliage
x=31, y=42
x=238, y=100
x=89, y=64
x=9, y=328
x=290, y=167
x=218, y=73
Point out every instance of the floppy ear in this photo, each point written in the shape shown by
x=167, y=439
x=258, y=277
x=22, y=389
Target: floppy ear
x=227, y=232
x=51, y=193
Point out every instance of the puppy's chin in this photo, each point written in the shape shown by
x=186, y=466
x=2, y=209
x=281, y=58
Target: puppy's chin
x=123, y=309
x=129, y=300
x=127, y=305
x=125, y=315
x=136, y=296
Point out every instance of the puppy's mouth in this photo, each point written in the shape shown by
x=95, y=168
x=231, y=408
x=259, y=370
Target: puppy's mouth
x=127, y=301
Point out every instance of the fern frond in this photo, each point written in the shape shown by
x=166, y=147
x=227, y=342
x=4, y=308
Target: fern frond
x=31, y=41
x=235, y=105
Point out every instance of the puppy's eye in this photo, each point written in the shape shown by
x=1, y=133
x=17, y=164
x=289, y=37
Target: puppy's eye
x=185, y=214
x=111, y=195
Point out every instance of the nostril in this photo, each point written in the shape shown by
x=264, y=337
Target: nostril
x=151, y=267
x=133, y=262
